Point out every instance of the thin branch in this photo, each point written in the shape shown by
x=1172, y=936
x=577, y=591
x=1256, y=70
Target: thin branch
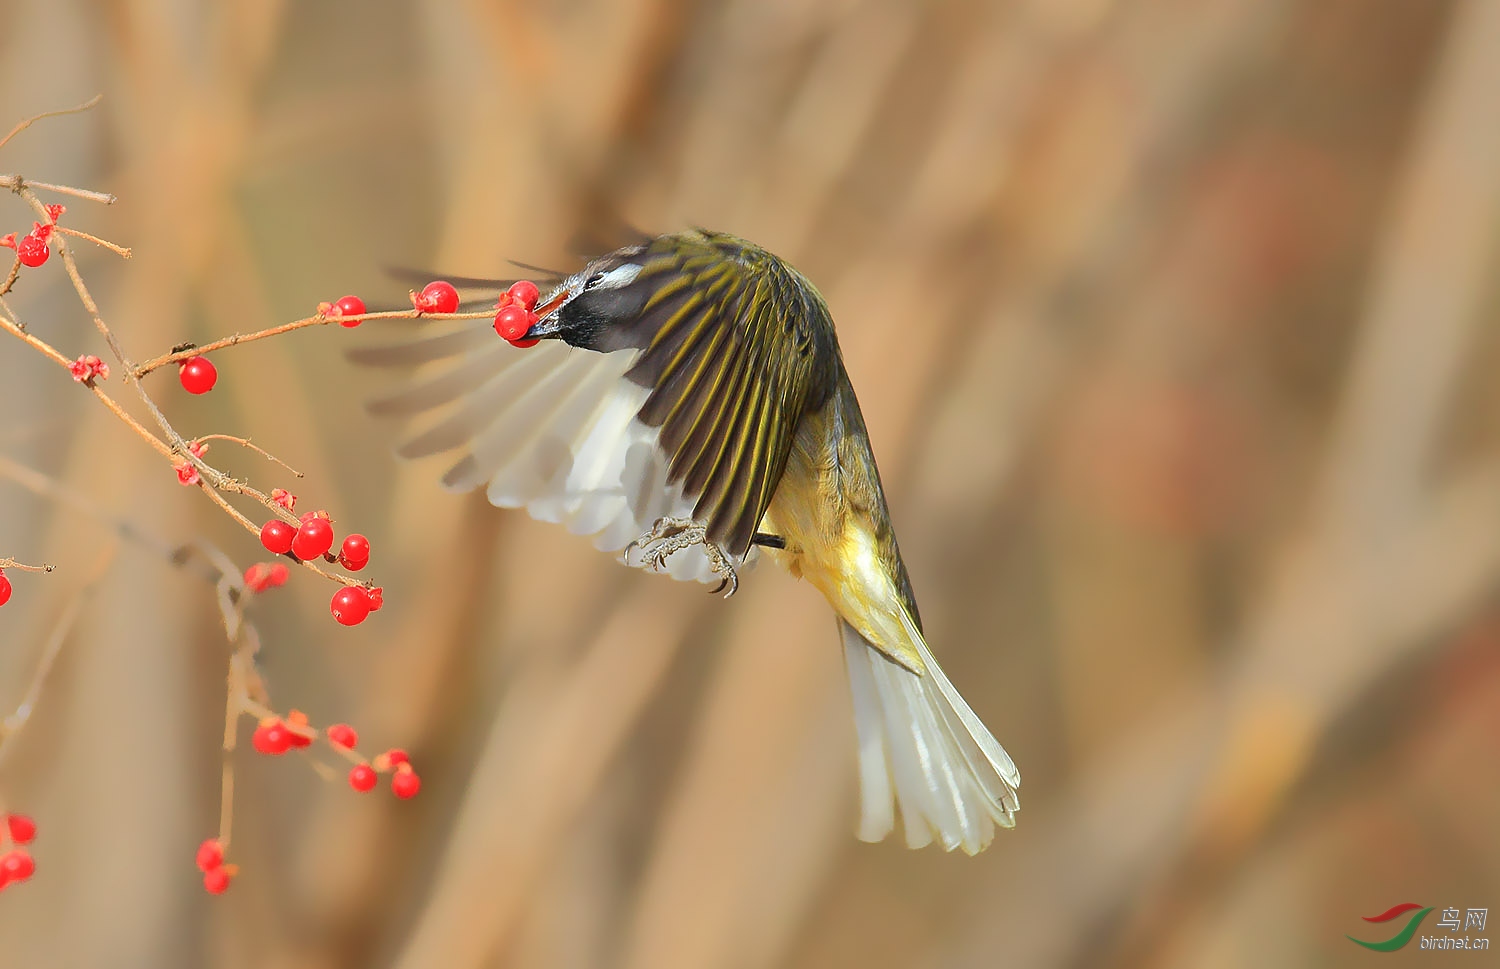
x=25, y=123
x=178, y=356
x=23, y=567
x=12, y=724
x=45, y=487
x=16, y=182
x=122, y=251
x=51, y=353
x=245, y=442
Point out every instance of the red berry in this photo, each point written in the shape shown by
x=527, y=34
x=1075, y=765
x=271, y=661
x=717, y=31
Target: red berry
x=272, y=738
x=355, y=553
x=4, y=588
x=437, y=297
x=513, y=321
x=362, y=778
x=350, y=605
x=524, y=291
x=257, y=576
x=348, y=306
x=16, y=866
x=313, y=539
x=32, y=250
x=405, y=784
x=216, y=881
x=342, y=735
x=22, y=828
x=276, y=535
x=210, y=855
x=526, y=344
x=395, y=757
x=197, y=375
x=295, y=737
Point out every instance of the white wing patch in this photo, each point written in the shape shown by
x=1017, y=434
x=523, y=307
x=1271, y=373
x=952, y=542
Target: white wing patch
x=550, y=429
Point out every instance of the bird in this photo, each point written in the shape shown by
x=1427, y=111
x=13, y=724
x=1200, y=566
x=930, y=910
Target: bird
x=688, y=407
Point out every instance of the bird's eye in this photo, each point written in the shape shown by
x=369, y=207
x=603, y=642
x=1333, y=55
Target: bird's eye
x=593, y=281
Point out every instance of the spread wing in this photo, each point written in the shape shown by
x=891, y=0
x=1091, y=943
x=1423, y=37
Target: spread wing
x=735, y=347
x=686, y=407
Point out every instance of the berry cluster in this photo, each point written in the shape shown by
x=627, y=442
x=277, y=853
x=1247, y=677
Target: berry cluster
x=405, y=782
x=274, y=736
x=216, y=874
x=16, y=865
x=87, y=367
x=515, y=315
x=32, y=249
x=266, y=575
x=312, y=539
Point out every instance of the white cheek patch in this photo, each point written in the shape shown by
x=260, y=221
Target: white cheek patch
x=618, y=277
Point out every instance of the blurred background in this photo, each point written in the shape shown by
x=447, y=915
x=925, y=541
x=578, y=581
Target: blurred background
x=1175, y=329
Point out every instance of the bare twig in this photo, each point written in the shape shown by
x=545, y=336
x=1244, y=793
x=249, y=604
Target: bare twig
x=16, y=182
x=178, y=356
x=25, y=123
x=51, y=353
x=245, y=442
x=13, y=724
x=22, y=567
x=120, y=250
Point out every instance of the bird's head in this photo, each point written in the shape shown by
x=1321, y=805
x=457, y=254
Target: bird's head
x=584, y=308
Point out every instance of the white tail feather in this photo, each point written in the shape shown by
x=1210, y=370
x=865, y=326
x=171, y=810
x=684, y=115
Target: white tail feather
x=919, y=741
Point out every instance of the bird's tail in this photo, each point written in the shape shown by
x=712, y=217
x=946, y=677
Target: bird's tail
x=920, y=746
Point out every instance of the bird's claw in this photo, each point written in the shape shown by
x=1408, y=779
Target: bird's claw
x=671, y=535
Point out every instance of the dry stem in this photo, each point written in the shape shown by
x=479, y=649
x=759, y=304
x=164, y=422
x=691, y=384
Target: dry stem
x=23, y=567
x=25, y=123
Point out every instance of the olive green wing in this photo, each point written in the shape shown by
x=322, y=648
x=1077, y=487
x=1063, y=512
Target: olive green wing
x=735, y=347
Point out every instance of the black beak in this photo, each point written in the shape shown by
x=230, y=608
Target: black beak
x=547, y=326
x=549, y=323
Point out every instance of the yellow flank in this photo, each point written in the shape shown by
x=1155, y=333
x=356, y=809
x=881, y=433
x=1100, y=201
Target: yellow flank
x=831, y=542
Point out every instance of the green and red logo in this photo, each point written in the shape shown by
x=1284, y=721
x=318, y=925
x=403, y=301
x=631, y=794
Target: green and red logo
x=1400, y=938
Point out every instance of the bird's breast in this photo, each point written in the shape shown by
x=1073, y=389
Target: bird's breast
x=832, y=540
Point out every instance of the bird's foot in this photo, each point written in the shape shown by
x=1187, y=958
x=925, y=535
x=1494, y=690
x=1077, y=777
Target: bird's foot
x=671, y=535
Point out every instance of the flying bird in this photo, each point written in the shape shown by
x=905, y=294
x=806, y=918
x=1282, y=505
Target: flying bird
x=688, y=406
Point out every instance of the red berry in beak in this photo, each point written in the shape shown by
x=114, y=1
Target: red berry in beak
x=524, y=291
